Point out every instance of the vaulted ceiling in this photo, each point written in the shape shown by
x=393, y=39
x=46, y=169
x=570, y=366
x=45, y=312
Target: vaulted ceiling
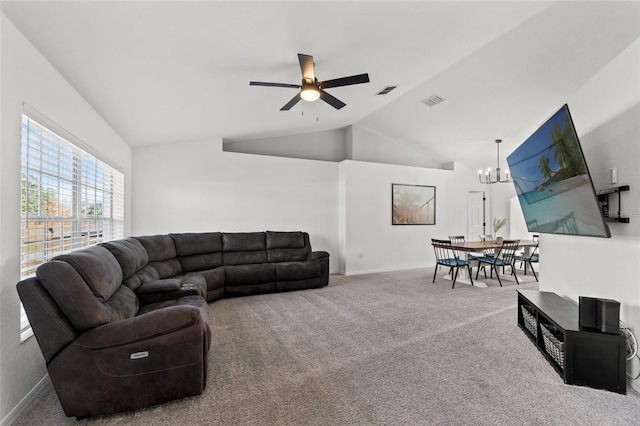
x=164, y=72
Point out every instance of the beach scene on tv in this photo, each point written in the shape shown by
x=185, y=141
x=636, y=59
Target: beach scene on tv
x=552, y=181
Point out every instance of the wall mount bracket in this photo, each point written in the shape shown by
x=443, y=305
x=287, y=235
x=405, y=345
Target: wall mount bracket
x=605, y=207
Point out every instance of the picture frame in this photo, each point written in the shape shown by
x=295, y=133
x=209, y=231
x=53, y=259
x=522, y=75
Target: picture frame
x=413, y=204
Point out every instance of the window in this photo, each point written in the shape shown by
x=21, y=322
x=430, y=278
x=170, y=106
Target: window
x=69, y=199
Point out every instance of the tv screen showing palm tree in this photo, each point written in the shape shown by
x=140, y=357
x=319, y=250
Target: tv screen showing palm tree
x=552, y=181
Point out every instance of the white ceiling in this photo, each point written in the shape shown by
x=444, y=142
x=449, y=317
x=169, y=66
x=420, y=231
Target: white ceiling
x=164, y=72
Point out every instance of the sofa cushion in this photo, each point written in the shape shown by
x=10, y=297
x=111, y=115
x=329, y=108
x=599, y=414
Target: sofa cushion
x=144, y=275
x=237, y=275
x=295, y=271
x=158, y=247
x=280, y=240
x=98, y=268
x=198, y=251
x=243, y=241
x=122, y=304
x=200, y=262
x=162, y=254
x=287, y=246
x=130, y=254
x=188, y=244
x=167, y=268
x=244, y=248
x=72, y=295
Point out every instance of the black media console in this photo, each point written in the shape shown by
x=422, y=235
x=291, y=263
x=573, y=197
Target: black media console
x=580, y=357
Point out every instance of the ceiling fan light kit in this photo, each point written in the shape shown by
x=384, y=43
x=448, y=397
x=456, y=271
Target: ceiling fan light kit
x=488, y=178
x=311, y=89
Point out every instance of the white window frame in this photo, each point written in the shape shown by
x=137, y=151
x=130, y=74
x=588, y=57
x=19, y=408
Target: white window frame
x=71, y=197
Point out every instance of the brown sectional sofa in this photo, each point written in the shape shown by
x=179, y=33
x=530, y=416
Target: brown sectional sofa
x=124, y=325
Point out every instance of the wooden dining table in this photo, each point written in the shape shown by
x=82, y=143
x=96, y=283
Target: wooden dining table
x=470, y=246
x=480, y=246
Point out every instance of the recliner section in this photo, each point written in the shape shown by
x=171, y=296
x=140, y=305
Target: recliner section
x=124, y=325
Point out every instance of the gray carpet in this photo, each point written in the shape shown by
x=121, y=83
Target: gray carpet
x=377, y=349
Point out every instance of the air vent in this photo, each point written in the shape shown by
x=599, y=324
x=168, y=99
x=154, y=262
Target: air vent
x=386, y=90
x=433, y=100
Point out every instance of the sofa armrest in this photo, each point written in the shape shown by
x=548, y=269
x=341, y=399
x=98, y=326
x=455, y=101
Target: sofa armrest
x=170, y=284
x=119, y=366
x=168, y=289
x=147, y=326
x=317, y=255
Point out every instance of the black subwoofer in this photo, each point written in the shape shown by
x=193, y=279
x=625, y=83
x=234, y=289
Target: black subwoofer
x=601, y=315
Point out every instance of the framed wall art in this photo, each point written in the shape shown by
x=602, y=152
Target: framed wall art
x=413, y=204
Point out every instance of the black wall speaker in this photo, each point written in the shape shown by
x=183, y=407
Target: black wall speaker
x=601, y=315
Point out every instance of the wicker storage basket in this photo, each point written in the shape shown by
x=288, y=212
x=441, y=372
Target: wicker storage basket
x=530, y=322
x=552, y=345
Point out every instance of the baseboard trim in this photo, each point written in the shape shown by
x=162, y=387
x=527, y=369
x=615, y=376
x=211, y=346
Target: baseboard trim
x=17, y=411
x=374, y=271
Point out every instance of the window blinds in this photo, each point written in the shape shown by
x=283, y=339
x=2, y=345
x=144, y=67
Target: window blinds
x=69, y=198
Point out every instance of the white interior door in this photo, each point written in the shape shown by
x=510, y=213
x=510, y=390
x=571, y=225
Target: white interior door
x=477, y=215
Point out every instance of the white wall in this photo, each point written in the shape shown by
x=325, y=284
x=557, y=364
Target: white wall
x=27, y=77
x=501, y=194
x=609, y=108
x=196, y=187
x=365, y=145
x=328, y=146
x=617, y=144
x=370, y=243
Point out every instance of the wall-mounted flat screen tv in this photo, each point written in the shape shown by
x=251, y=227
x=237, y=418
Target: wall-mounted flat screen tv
x=553, y=183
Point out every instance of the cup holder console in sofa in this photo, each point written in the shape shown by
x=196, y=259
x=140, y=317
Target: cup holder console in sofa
x=124, y=325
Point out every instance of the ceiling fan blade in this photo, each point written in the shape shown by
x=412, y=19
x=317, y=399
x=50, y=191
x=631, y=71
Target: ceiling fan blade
x=345, y=81
x=291, y=103
x=260, y=83
x=306, y=66
x=331, y=100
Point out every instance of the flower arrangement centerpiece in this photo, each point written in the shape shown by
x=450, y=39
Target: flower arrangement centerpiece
x=497, y=224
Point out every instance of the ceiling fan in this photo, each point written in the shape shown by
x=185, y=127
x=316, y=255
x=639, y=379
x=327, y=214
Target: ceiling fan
x=311, y=89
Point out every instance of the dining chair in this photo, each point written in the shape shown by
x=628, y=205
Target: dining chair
x=505, y=256
x=445, y=256
x=457, y=239
x=488, y=252
x=530, y=258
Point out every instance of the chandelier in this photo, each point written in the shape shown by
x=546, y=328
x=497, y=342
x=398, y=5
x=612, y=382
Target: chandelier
x=488, y=177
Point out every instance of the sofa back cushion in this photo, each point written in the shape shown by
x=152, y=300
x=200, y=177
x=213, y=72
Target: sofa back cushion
x=287, y=246
x=162, y=255
x=143, y=276
x=129, y=253
x=244, y=248
x=98, y=268
x=85, y=285
x=198, y=251
x=134, y=261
